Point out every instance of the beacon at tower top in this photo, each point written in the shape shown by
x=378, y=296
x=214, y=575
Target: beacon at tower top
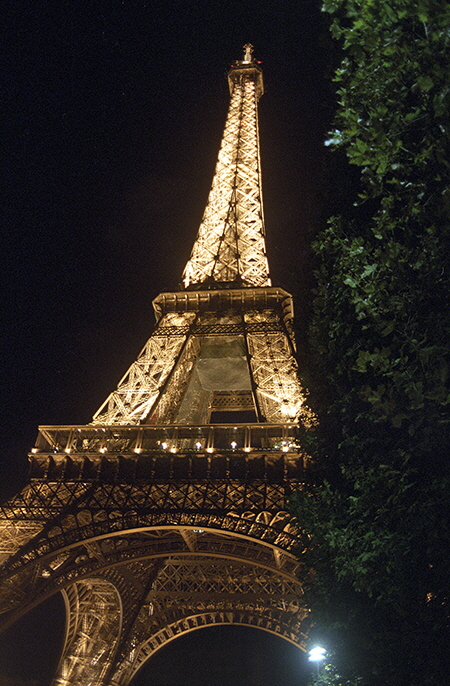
x=247, y=66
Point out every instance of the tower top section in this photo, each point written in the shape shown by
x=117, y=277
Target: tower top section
x=230, y=250
x=248, y=67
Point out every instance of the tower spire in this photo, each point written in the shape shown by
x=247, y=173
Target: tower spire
x=230, y=246
x=226, y=341
x=248, y=52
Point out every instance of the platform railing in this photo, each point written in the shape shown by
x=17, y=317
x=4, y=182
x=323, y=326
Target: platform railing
x=170, y=438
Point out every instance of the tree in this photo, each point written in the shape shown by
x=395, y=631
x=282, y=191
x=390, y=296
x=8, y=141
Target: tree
x=376, y=512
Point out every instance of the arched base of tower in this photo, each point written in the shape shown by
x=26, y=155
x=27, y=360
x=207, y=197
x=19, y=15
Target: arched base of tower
x=187, y=625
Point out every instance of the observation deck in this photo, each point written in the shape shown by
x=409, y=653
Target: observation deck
x=260, y=451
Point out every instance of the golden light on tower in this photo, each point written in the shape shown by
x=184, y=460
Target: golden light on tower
x=230, y=245
x=167, y=513
x=228, y=256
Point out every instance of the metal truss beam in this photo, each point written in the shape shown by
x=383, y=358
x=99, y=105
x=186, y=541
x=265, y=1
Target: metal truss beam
x=192, y=593
x=230, y=245
x=56, y=560
x=139, y=389
x=153, y=388
x=94, y=612
x=159, y=584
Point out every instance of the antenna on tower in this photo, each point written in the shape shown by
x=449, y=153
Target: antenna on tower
x=248, y=52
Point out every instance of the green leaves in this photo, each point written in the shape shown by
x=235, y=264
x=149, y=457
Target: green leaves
x=377, y=506
x=393, y=74
x=425, y=83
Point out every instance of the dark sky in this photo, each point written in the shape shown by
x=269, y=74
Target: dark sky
x=113, y=118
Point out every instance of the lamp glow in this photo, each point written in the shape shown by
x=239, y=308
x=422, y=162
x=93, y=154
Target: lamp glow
x=316, y=654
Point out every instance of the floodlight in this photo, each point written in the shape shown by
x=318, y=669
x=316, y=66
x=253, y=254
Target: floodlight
x=316, y=654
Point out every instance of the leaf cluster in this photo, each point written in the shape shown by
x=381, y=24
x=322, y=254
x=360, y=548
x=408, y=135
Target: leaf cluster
x=376, y=513
x=384, y=265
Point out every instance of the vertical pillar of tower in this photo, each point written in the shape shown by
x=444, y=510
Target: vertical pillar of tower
x=94, y=612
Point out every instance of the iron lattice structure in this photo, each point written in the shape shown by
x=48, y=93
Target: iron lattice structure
x=230, y=245
x=168, y=512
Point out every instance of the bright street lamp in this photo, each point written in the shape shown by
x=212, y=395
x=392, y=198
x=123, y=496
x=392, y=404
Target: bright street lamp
x=316, y=654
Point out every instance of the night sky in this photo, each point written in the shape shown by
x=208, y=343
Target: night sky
x=113, y=119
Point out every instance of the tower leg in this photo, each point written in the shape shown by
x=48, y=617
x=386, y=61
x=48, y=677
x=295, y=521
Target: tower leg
x=94, y=619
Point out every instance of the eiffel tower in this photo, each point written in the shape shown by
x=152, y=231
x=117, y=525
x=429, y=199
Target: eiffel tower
x=167, y=513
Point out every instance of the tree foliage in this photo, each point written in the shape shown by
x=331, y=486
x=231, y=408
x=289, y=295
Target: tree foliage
x=377, y=509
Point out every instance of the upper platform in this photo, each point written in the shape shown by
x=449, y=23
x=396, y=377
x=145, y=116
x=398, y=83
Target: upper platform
x=246, y=68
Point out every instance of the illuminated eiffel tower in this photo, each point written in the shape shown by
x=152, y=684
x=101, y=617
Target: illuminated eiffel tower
x=167, y=513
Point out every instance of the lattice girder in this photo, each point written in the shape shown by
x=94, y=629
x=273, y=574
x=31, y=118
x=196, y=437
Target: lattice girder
x=154, y=388
x=218, y=572
x=139, y=389
x=192, y=592
x=14, y=534
x=40, y=577
x=177, y=628
x=82, y=551
x=69, y=542
x=230, y=245
x=104, y=505
x=94, y=612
